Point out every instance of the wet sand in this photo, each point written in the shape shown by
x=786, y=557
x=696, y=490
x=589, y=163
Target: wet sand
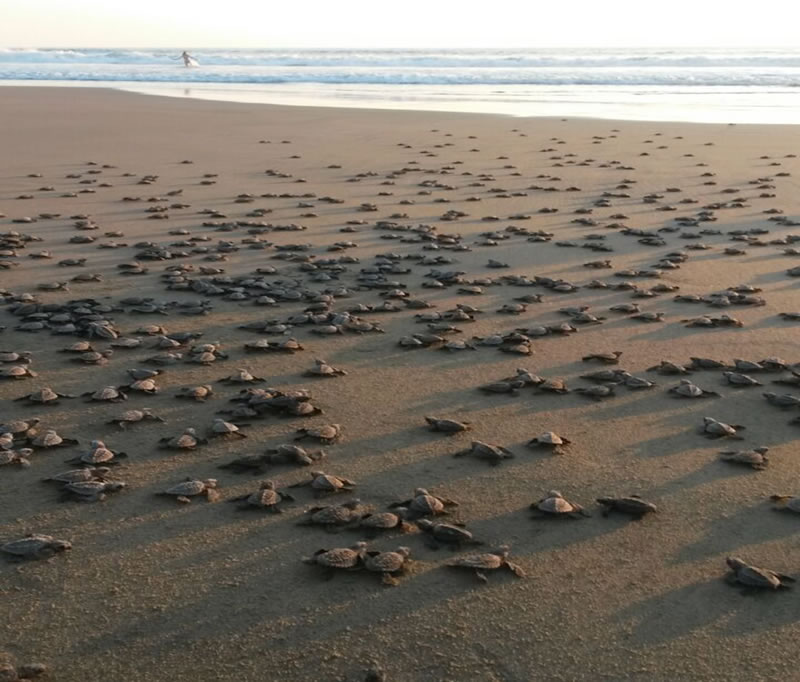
x=155, y=590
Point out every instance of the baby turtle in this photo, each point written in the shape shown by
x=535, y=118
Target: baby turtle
x=323, y=369
x=686, y=389
x=423, y=504
x=241, y=376
x=339, y=558
x=707, y=363
x=450, y=534
x=188, y=440
x=50, y=439
x=611, y=358
x=77, y=475
x=550, y=439
x=754, y=577
x=322, y=483
x=553, y=386
x=17, y=457
x=108, y=394
x=34, y=547
x=491, y=561
x=333, y=516
x=737, y=379
x=11, y=672
x=23, y=357
x=197, y=393
x=633, y=505
x=788, y=503
x=511, y=387
x=755, y=459
x=667, y=367
x=449, y=426
x=222, y=429
x=556, y=506
x=784, y=400
x=20, y=429
x=267, y=497
x=184, y=491
x=597, y=392
x=17, y=372
x=388, y=564
x=135, y=417
x=327, y=433
x=493, y=454
x=98, y=454
x=44, y=396
x=90, y=491
x=373, y=523
x=711, y=428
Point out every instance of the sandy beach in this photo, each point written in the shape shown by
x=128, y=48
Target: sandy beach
x=156, y=590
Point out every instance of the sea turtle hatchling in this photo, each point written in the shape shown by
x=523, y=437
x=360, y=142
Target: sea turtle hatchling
x=449, y=426
x=423, y=503
x=135, y=417
x=450, y=534
x=323, y=369
x=633, y=505
x=90, y=491
x=667, y=367
x=611, y=358
x=50, y=439
x=17, y=372
x=493, y=454
x=98, y=455
x=20, y=429
x=550, y=439
x=553, y=386
x=597, y=392
x=108, y=394
x=322, y=483
x=782, y=400
x=686, y=389
x=738, y=379
x=11, y=672
x=334, y=516
x=222, y=429
x=388, y=564
x=16, y=457
x=197, y=393
x=755, y=458
x=267, y=497
x=712, y=428
x=554, y=505
x=491, y=561
x=326, y=433
x=77, y=475
x=338, y=558
x=241, y=376
x=185, y=490
x=188, y=440
x=754, y=577
x=787, y=503
x=375, y=522
x=34, y=546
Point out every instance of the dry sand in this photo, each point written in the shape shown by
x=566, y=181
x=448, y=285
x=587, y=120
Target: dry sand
x=153, y=590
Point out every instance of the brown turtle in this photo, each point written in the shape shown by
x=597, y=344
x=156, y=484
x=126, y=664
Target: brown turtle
x=188, y=440
x=451, y=534
x=77, y=475
x=135, y=417
x=334, y=516
x=493, y=454
x=16, y=457
x=184, y=491
x=322, y=483
x=327, y=433
x=323, y=369
x=267, y=497
x=633, y=505
x=98, y=455
x=423, y=504
x=221, y=429
x=609, y=358
x=108, y=394
x=241, y=376
x=50, y=439
x=375, y=522
x=686, y=389
x=197, y=393
x=388, y=564
x=754, y=577
x=17, y=372
x=491, y=561
x=554, y=505
x=550, y=439
x=788, y=503
x=339, y=558
x=90, y=491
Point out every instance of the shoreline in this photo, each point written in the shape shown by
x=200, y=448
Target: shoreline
x=670, y=105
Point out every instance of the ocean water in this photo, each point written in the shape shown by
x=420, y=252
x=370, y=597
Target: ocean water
x=719, y=85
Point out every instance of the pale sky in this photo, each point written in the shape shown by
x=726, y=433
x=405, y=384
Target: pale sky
x=194, y=24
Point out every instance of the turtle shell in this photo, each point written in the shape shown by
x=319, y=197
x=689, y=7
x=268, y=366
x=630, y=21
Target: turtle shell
x=266, y=497
x=426, y=504
x=48, y=439
x=98, y=455
x=381, y=520
x=221, y=426
x=487, y=561
x=340, y=557
x=555, y=505
x=386, y=562
x=107, y=393
x=187, y=488
x=32, y=544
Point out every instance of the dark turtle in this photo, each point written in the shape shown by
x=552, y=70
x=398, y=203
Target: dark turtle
x=388, y=564
x=784, y=400
x=241, y=376
x=20, y=429
x=633, y=505
x=667, y=367
x=597, y=392
x=737, y=379
x=491, y=561
x=44, y=396
x=611, y=358
x=707, y=363
x=686, y=389
x=788, y=503
x=493, y=454
x=16, y=457
x=135, y=417
x=550, y=439
x=90, y=491
x=754, y=577
x=755, y=459
x=449, y=426
x=554, y=505
x=188, y=440
x=34, y=546
x=50, y=439
x=267, y=497
x=373, y=523
x=78, y=475
x=98, y=455
x=197, y=393
x=449, y=534
x=222, y=429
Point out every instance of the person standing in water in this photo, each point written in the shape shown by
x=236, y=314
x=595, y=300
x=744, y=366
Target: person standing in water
x=188, y=60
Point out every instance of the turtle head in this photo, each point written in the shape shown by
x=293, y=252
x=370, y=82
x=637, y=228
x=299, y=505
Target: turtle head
x=554, y=493
x=763, y=450
x=317, y=474
x=420, y=491
x=425, y=524
x=502, y=550
x=735, y=562
x=60, y=545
